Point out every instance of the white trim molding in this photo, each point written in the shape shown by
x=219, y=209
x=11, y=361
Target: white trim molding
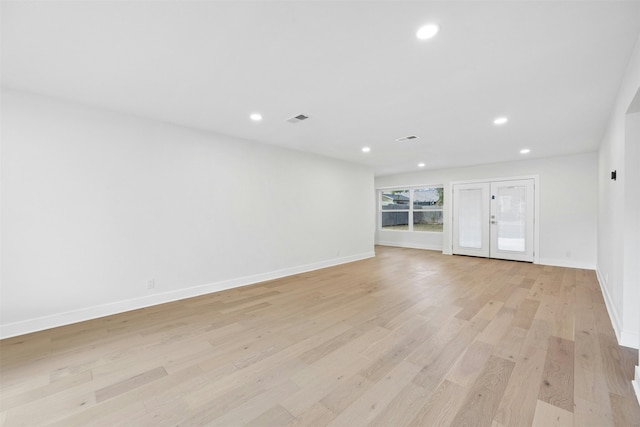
x=61, y=319
x=411, y=245
x=566, y=263
x=636, y=383
x=625, y=337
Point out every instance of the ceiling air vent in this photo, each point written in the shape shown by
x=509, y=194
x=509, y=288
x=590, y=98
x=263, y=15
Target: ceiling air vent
x=406, y=138
x=298, y=118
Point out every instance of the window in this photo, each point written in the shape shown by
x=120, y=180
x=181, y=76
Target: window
x=412, y=209
x=395, y=206
x=427, y=208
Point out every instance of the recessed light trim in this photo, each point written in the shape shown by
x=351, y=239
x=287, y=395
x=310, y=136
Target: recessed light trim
x=421, y=165
x=256, y=117
x=500, y=121
x=427, y=31
x=525, y=151
x=366, y=149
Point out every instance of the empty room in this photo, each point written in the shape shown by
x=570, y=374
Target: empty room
x=320, y=213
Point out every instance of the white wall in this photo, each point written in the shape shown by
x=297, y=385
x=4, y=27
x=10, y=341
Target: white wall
x=617, y=252
x=631, y=274
x=568, y=205
x=94, y=203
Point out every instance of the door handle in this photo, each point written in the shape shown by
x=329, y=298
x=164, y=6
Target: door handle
x=494, y=222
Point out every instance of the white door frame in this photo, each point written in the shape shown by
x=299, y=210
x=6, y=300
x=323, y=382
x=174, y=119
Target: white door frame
x=536, y=209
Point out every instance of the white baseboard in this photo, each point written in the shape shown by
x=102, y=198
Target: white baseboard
x=75, y=316
x=411, y=245
x=629, y=339
x=624, y=336
x=566, y=263
x=611, y=308
x=636, y=383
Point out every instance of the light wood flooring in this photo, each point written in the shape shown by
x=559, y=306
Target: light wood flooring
x=409, y=338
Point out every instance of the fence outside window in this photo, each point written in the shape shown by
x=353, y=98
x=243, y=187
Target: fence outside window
x=412, y=209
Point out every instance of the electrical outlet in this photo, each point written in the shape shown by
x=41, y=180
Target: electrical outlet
x=151, y=283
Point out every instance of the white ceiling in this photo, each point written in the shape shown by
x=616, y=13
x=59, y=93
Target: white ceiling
x=355, y=68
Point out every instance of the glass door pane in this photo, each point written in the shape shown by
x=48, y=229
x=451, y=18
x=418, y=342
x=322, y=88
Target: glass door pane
x=511, y=218
x=512, y=206
x=470, y=217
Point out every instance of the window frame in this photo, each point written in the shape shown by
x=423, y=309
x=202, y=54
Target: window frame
x=410, y=209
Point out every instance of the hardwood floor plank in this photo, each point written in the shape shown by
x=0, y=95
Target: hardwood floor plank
x=403, y=408
x=255, y=406
x=113, y=411
x=335, y=366
x=129, y=384
x=441, y=407
x=564, y=326
x=470, y=365
x=168, y=414
x=374, y=400
x=525, y=314
x=586, y=412
x=556, y=387
x=70, y=381
x=617, y=379
x=483, y=398
x=513, y=298
x=410, y=337
x=592, y=401
x=347, y=391
x=385, y=362
x=216, y=407
x=551, y=416
x=319, y=381
x=318, y=415
x=518, y=404
x=276, y=416
x=625, y=413
x=510, y=344
x=429, y=350
x=431, y=375
x=489, y=311
x=498, y=326
x=334, y=343
x=50, y=408
x=527, y=282
x=538, y=335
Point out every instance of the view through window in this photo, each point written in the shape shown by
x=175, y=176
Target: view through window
x=412, y=209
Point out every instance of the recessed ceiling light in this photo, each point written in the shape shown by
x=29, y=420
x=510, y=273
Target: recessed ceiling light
x=525, y=151
x=256, y=117
x=421, y=165
x=427, y=31
x=500, y=121
x=366, y=149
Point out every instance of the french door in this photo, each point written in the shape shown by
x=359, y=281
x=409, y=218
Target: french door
x=494, y=219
